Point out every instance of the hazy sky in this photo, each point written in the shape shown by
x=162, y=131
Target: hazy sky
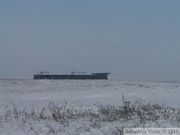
x=132, y=39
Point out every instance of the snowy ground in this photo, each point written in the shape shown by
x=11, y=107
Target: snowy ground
x=78, y=95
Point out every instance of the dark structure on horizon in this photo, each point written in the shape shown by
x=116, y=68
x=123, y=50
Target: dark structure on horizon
x=73, y=75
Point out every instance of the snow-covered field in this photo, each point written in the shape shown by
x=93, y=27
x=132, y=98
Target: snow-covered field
x=28, y=106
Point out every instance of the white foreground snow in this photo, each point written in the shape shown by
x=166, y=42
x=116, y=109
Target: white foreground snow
x=79, y=94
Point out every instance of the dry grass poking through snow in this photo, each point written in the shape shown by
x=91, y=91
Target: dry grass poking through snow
x=55, y=119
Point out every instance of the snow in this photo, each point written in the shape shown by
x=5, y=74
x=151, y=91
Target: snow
x=80, y=94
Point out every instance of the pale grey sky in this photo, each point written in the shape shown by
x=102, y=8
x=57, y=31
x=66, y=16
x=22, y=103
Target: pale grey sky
x=132, y=39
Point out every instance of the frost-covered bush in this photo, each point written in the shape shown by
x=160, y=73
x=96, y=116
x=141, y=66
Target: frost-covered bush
x=99, y=119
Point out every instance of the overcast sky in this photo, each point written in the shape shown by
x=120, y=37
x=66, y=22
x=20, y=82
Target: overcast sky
x=132, y=39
